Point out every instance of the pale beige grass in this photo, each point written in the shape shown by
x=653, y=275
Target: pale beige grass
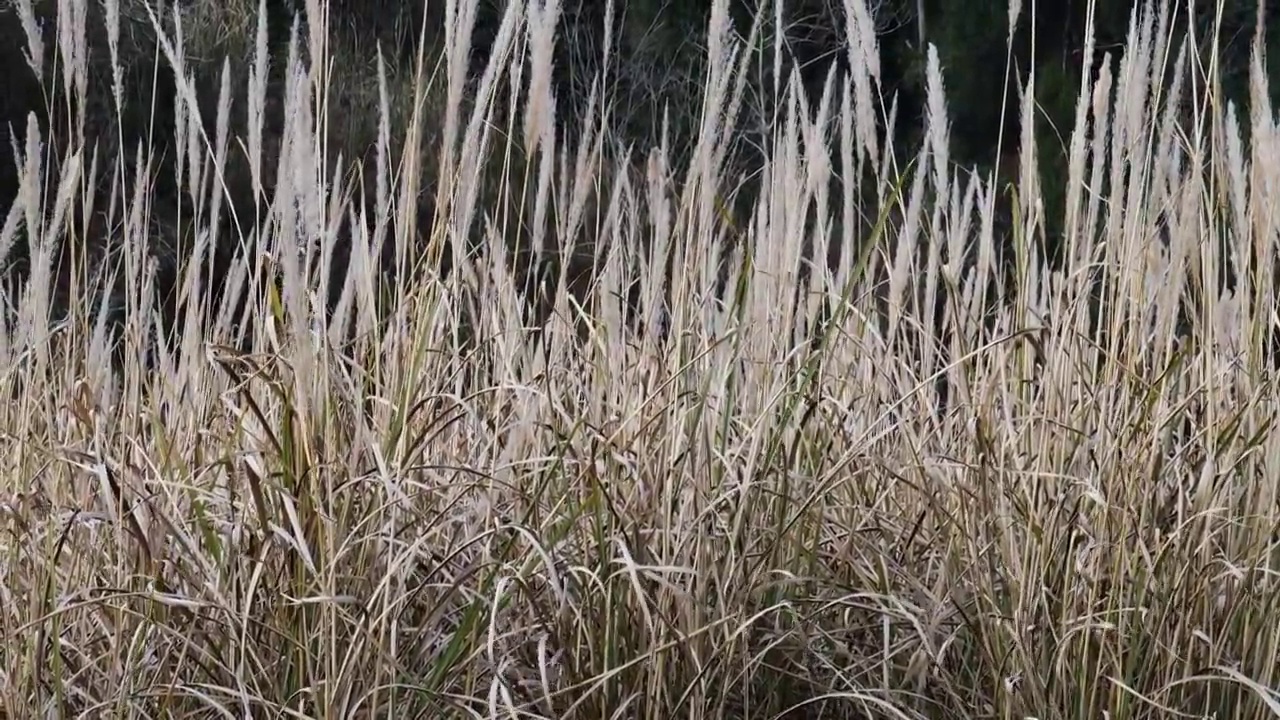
x=724, y=524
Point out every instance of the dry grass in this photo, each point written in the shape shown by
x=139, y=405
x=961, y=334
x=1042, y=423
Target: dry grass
x=723, y=523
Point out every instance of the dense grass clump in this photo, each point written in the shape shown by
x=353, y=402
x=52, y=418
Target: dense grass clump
x=470, y=402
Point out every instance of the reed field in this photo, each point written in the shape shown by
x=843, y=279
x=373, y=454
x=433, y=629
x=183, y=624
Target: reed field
x=390, y=396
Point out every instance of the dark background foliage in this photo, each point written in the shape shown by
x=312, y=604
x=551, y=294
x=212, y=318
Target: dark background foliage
x=659, y=51
x=657, y=58
x=656, y=68
x=970, y=35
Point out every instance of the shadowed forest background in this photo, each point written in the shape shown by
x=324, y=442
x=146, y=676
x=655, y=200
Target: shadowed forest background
x=661, y=48
x=661, y=45
x=653, y=76
x=660, y=51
